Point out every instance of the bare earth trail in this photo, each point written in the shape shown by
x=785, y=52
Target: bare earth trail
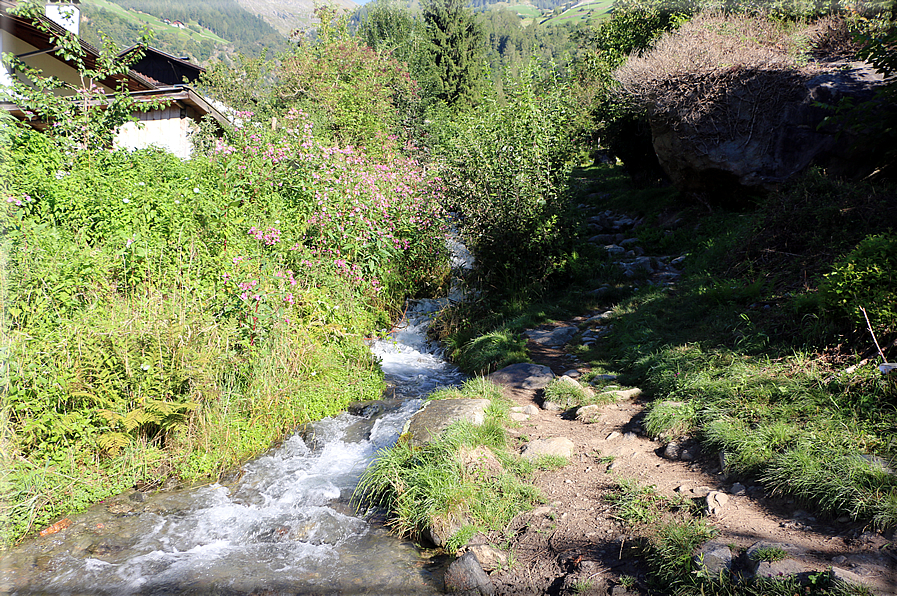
x=575, y=545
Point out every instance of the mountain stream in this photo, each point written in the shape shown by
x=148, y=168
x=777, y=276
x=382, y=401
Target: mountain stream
x=283, y=525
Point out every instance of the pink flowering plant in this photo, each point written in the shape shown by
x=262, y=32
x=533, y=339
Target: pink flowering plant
x=376, y=223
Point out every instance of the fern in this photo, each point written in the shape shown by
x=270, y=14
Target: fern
x=113, y=442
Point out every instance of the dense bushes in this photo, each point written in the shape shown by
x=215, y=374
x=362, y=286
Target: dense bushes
x=173, y=318
x=505, y=168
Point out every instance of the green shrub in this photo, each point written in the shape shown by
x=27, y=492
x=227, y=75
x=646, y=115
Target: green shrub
x=505, y=169
x=865, y=279
x=170, y=318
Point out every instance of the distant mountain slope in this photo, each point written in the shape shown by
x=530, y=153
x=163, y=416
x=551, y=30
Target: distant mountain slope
x=287, y=15
x=195, y=28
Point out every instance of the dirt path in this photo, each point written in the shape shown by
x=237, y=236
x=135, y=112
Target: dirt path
x=575, y=545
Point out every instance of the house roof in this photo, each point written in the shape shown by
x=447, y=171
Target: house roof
x=162, y=68
x=183, y=95
x=186, y=96
x=43, y=38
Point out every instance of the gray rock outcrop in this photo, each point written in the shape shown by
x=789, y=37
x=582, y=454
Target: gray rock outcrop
x=772, y=132
x=465, y=576
x=436, y=415
x=523, y=376
x=557, y=446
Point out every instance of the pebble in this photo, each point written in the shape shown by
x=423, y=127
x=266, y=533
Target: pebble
x=737, y=489
x=716, y=502
x=612, y=436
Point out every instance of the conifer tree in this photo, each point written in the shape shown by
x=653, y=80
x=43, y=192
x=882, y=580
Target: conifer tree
x=456, y=52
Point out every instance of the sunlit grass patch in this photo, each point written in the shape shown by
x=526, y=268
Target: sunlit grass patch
x=464, y=481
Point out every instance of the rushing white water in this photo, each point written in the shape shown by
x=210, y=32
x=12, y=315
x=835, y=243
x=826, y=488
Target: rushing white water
x=285, y=527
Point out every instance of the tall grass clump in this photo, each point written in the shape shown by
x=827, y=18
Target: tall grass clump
x=170, y=318
x=466, y=479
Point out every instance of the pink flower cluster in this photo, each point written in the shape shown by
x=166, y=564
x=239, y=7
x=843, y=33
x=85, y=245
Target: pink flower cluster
x=366, y=214
x=270, y=236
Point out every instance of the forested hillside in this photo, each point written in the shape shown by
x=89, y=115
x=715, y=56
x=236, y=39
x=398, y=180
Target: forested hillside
x=209, y=28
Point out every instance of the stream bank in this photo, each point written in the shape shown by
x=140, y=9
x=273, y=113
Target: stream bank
x=283, y=523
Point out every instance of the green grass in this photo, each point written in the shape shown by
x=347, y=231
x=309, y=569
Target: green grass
x=525, y=10
x=740, y=353
x=430, y=485
x=665, y=533
x=589, y=12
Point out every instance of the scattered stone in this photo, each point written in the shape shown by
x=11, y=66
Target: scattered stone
x=614, y=249
x=530, y=409
x=599, y=292
x=722, y=463
x=843, y=519
x=713, y=557
x=672, y=451
x=612, y=436
x=489, y=557
x=138, y=497
x=436, y=415
x=624, y=393
x=783, y=568
x=716, y=502
x=737, y=489
x=518, y=416
x=701, y=491
x=690, y=454
x=839, y=560
x=642, y=264
x=629, y=436
x=572, y=373
x=560, y=446
x=551, y=406
x=844, y=576
x=552, y=338
x=574, y=383
x=466, y=576
x=589, y=413
x=366, y=409
x=600, y=318
x=523, y=376
x=600, y=378
x=442, y=527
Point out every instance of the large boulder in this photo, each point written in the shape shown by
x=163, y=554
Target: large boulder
x=762, y=129
x=734, y=104
x=436, y=415
x=465, y=576
x=523, y=376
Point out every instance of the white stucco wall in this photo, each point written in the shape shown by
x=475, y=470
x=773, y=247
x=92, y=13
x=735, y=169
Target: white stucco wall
x=169, y=128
